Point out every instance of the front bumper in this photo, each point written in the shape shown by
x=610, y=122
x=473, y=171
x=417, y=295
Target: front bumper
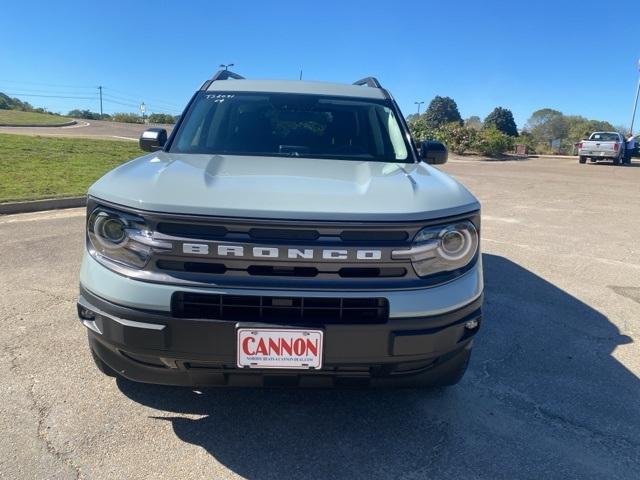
x=133, y=332
x=154, y=347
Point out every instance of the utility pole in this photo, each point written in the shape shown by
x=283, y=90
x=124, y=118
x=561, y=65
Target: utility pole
x=419, y=103
x=226, y=65
x=635, y=103
x=100, y=90
x=300, y=75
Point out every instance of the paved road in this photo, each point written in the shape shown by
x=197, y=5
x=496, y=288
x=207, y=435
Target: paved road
x=553, y=389
x=88, y=129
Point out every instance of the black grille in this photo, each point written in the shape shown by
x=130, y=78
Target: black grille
x=281, y=270
x=207, y=231
x=373, y=236
x=196, y=267
x=282, y=234
x=357, y=272
x=280, y=310
x=192, y=230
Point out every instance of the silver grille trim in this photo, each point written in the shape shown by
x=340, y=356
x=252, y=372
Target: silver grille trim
x=192, y=250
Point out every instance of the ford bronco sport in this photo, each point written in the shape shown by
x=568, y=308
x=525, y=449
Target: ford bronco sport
x=285, y=233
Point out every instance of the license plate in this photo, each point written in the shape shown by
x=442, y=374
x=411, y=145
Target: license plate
x=279, y=348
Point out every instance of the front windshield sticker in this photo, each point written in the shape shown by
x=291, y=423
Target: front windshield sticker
x=219, y=97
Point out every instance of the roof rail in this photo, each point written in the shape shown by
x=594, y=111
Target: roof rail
x=226, y=75
x=369, y=82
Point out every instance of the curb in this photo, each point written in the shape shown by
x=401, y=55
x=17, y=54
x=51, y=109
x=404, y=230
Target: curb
x=544, y=155
x=29, y=125
x=40, y=205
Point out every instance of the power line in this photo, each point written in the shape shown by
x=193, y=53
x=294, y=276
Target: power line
x=76, y=97
x=109, y=99
x=123, y=95
x=123, y=99
x=49, y=96
x=135, y=103
x=131, y=97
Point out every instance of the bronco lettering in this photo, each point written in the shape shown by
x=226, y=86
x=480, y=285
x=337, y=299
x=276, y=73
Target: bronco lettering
x=288, y=253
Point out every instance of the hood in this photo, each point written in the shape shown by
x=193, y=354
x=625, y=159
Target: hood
x=283, y=188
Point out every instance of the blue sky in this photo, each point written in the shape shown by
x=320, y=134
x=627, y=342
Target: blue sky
x=520, y=55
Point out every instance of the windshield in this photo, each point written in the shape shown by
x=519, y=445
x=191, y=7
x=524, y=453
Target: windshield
x=236, y=123
x=605, y=137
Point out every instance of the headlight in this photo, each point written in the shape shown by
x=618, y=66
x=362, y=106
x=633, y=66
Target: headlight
x=121, y=238
x=442, y=248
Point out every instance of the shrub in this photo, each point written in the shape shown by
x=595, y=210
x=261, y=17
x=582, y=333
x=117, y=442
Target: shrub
x=126, y=117
x=419, y=129
x=526, y=139
x=161, y=118
x=456, y=137
x=492, y=142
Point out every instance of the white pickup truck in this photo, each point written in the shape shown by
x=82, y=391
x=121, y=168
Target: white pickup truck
x=601, y=146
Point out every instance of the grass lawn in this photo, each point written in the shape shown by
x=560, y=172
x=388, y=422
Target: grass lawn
x=42, y=167
x=15, y=117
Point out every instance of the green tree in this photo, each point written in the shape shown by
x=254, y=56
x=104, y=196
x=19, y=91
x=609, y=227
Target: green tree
x=502, y=120
x=474, y=122
x=442, y=110
x=579, y=128
x=546, y=125
x=86, y=114
x=9, y=103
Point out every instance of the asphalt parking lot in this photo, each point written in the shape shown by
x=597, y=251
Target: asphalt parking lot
x=553, y=388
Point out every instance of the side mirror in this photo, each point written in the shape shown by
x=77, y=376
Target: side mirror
x=153, y=139
x=433, y=153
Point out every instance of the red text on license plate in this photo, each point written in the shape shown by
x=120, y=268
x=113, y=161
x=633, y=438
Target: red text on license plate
x=279, y=348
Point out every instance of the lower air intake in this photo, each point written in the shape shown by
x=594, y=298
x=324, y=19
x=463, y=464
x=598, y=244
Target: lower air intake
x=280, y=310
